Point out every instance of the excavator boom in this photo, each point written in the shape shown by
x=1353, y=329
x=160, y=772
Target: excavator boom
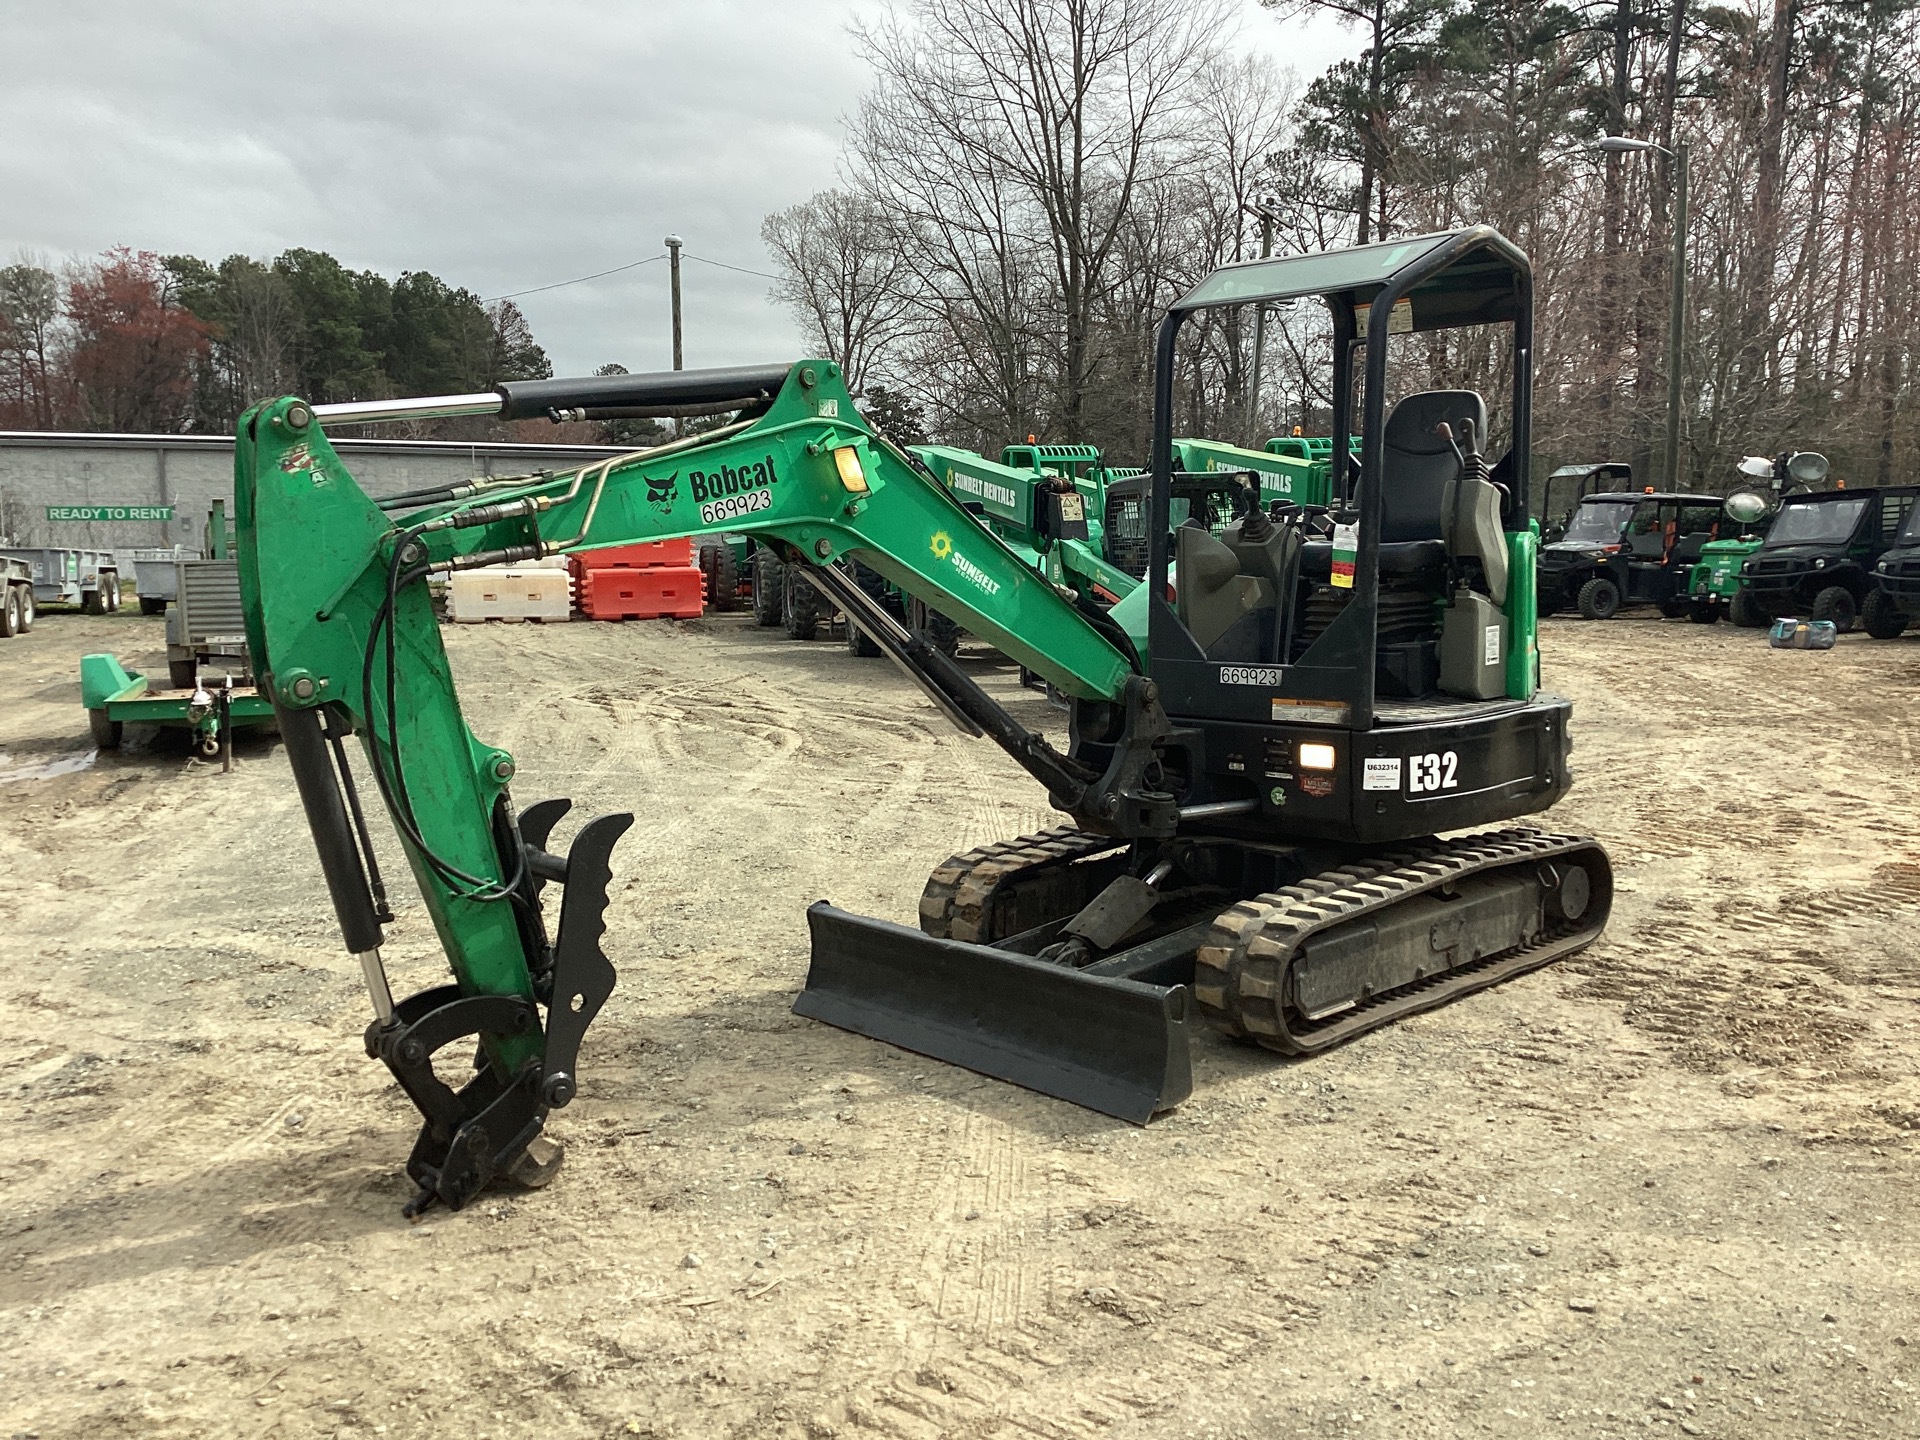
x=343, y=634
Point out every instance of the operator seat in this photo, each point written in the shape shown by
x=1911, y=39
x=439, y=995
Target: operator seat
x=1421, y=467
x=1418, y=466
x=1432, y=519
x=1417, y=470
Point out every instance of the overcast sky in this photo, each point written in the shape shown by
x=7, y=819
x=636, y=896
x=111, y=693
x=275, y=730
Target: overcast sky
x=500, y=145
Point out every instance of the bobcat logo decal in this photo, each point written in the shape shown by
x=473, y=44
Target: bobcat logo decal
x=662, y=493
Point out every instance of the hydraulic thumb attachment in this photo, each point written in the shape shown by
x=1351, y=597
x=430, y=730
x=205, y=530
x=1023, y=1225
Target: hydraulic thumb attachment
x=489, y=1127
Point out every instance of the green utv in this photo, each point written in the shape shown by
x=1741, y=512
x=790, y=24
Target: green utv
x=1716, y=579
x=1622, y=548
x=1821, y=554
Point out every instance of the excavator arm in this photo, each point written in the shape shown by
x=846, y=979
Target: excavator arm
x=340, y=622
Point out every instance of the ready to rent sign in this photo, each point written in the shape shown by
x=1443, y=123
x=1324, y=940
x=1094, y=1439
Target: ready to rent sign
x=109, y=512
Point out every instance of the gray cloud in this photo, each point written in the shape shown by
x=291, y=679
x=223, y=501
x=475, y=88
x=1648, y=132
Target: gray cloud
x=502, y=146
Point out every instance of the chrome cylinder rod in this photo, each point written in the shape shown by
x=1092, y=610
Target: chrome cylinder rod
x=423, y=407
x=1219, y=809
x=378, y=990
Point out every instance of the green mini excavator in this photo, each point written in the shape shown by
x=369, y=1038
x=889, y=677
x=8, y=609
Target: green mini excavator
x=1267, y=739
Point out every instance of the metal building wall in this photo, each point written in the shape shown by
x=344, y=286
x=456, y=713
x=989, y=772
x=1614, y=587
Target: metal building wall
x=188, y=472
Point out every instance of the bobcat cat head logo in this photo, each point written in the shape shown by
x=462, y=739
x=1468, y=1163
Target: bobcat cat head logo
x=662, y=493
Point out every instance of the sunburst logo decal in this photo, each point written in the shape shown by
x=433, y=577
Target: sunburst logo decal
x=942, y=545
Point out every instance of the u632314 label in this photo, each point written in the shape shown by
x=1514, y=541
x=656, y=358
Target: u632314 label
x=732, y=507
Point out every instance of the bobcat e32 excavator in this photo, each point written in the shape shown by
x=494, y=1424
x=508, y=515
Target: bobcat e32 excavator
x=1266, y=738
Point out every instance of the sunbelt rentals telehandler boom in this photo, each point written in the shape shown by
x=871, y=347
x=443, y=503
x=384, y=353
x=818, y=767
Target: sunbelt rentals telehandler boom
x=1266, y=737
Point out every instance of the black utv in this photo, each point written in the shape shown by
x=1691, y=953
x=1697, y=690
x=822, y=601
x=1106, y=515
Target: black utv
x=1569, y=485
x=1820, y=557
x=1627, y=548
x=1894, y=601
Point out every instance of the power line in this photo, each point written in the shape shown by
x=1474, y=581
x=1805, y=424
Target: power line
x=631, y=265
x=582, y=279
x=740, y=269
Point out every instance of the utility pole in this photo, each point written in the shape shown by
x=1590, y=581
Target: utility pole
x=1264, y=209
x=673, y=262
x=1677, y=299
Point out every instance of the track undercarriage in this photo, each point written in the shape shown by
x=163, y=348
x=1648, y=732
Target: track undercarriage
x=1075, y=963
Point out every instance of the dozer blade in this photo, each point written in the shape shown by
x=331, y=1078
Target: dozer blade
x=1116, y=1046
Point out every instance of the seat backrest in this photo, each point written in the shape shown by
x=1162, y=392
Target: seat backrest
x=1418, y=463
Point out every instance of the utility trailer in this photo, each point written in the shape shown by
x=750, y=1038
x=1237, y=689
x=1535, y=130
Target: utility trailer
x=156, y=581
x=66, y=575
x=115, y=696
x=16, y=607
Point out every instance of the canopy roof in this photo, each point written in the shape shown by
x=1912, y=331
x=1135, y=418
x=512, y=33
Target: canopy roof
x=1481, y=285
x=1580, y=472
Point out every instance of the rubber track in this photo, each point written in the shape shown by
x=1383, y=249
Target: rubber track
x=1241, y=971
x=959, y=896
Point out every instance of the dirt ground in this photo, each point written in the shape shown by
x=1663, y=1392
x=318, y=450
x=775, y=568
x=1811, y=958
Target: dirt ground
x=1665, y=1187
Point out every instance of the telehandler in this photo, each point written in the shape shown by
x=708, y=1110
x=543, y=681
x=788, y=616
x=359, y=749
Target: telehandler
x=1253, y=837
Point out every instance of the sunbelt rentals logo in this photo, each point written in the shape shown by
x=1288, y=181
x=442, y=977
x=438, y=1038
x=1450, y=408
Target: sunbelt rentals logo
x=942, y=546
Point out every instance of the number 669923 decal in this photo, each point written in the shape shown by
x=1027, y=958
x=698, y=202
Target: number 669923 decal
x=729, y=507
x=1428, y=773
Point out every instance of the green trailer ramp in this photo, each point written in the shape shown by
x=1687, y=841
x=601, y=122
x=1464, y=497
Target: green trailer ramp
x=115, y=696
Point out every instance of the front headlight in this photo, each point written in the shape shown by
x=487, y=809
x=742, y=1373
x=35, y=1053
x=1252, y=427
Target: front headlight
x=1820, y=564
x=1881, y=566
x=1746, y=567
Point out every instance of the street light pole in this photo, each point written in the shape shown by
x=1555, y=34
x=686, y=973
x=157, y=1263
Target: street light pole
x=1677, y=319
x=1677, y=299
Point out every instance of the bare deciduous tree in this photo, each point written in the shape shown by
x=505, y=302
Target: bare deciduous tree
x=843, y=276
x=1008, y=144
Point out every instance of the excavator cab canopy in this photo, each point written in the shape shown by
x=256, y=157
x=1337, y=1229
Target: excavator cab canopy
x=1386, y=513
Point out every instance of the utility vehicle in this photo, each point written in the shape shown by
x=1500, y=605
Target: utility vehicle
x=1622, y=548
x=1821, y=555
x=1567, y=486
x=1716, y=578
x=1894, y=601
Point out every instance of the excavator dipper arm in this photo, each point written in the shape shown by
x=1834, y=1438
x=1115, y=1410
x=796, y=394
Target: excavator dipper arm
x=341, y=626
